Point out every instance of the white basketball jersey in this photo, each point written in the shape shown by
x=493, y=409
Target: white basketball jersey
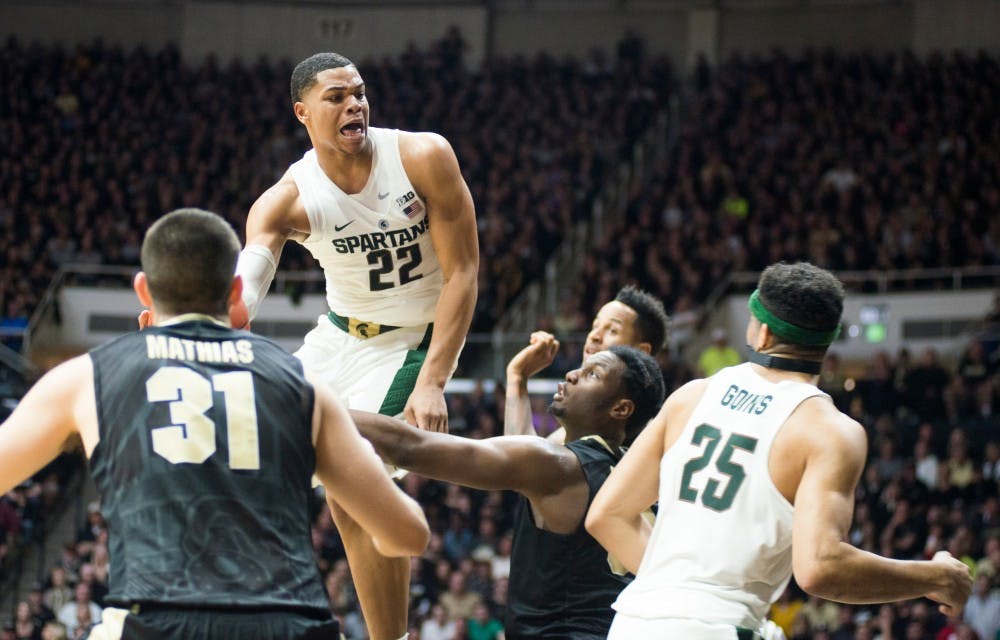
x=374, y=246
x=721, y=548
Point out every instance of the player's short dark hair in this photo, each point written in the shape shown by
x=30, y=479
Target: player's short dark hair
x=652, y=321
x=644, y=383
x=304, y=74
x=189, y=257
x=805, y=296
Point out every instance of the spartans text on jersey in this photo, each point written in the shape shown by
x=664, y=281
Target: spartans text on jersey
x=365, y=242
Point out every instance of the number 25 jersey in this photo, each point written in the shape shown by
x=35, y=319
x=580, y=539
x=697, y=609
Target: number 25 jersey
x=375, y=245
x=721, y=548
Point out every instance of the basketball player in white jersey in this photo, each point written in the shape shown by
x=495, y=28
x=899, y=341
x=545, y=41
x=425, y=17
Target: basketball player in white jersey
x=391, y=221
x=757, y=471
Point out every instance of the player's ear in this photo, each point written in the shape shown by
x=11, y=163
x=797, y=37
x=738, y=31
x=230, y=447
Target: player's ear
x=622, y=409
x=764, y=338
x=141, y=286
x=236, y=290
x=645, y=347
x=301, y=111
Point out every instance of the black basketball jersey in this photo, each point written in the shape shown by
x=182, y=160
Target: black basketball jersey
x=562, y=586
x=204, y=465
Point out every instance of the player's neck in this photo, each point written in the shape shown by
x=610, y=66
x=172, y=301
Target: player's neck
x=188, y=317
x=348, y=171
x=612, y=440
x=777, y=367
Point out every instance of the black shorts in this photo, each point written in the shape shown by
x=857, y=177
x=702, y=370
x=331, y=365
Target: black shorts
x=169, y=623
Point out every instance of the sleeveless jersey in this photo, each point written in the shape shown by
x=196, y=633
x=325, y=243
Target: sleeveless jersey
x=562, y=585
x=204, y=465
x=374, y=246
x=721, y=548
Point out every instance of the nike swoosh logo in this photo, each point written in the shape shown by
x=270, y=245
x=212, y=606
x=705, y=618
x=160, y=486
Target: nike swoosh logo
x=339, y=227
x=382, y=196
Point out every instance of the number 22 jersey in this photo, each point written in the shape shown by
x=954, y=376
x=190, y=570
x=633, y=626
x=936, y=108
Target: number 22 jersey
x=374, y=246
x=721, y=548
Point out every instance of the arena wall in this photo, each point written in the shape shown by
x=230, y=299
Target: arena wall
x=679, y=28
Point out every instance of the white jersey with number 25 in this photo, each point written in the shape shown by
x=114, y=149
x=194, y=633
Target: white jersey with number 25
x=721, y=548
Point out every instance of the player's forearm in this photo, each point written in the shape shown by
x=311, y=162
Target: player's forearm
x=517, y=408
x=392, y=438
x=451, y=324
x=849, y=575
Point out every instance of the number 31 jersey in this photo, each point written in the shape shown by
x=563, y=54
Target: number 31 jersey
x=204, y=465
x=375, y=245
x=721, y=548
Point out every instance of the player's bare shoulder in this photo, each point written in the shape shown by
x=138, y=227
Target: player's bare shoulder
x=280, y=210
x=428, y=159
x=417, y=146
x=819, y=425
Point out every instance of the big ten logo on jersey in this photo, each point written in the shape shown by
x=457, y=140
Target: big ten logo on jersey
x=408, y=205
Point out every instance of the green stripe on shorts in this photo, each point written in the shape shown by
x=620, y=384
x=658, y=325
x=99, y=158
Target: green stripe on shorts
x=406, y=378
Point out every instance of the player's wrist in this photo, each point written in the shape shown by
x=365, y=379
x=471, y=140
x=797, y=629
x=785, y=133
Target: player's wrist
x=432, y=380
x=515, y=377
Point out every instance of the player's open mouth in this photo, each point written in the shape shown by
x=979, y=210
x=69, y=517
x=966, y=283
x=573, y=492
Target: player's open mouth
x=560, y=391
x=354, y=130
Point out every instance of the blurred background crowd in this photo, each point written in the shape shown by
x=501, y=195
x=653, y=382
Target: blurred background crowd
x=852, y=161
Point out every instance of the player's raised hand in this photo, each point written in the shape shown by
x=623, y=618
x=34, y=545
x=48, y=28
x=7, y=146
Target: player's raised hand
x=427, y=409
x=540, y=352
x=958, y=584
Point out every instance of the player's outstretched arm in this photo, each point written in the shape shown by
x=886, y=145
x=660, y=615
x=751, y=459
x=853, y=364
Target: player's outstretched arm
x=539, y=353
x=45, y=418
x=354, y=478
x=526, y=464
x=274, y=218
x=433, y=169
x=827, y=566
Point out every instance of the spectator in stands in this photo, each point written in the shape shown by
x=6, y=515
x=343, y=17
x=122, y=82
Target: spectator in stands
x=483, y=626
x=25, y=626
x=36, y=604
x=717, y=355
x=59, y=593
x=81, y=610
x=458, y=602
x=438, y=626
x=982, y=611
x=54, y=630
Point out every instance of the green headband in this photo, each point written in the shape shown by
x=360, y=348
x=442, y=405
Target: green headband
x=787, y=330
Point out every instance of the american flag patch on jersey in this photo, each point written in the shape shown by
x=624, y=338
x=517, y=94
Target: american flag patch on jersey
x=413, y=209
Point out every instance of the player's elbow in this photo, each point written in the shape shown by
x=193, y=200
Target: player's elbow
x=820, y=576
x=409, y=538
x=597, y=521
